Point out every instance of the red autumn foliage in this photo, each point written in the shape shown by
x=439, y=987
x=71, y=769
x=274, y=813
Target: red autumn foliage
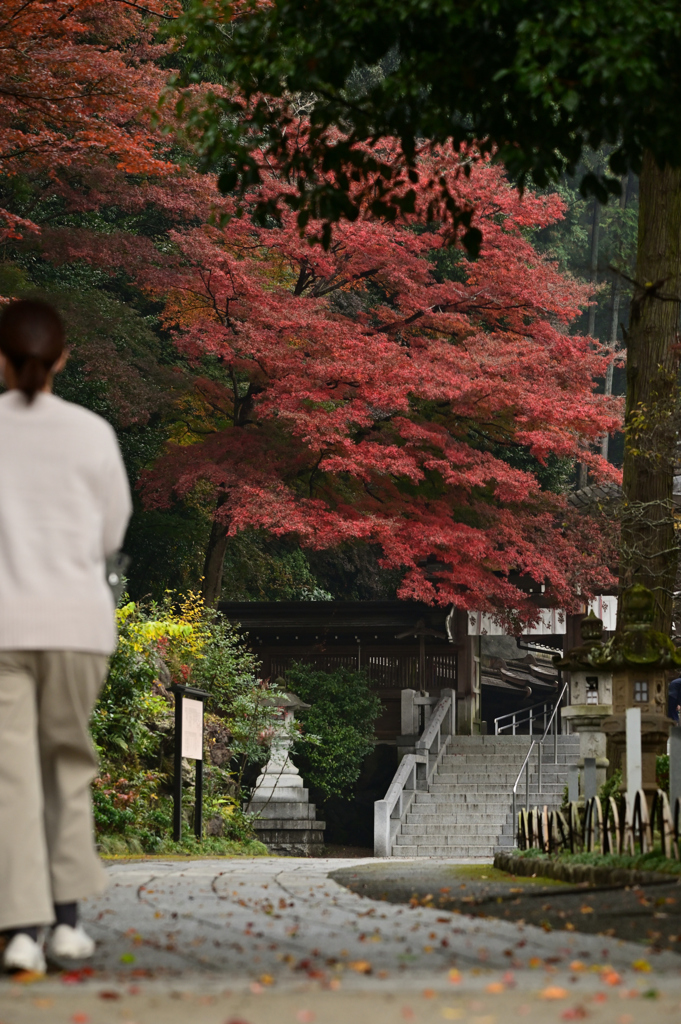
x=79, y=81
x=383, y=390
x=372, y=397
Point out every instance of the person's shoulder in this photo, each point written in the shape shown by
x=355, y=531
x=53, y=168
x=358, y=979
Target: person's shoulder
x=82, y=419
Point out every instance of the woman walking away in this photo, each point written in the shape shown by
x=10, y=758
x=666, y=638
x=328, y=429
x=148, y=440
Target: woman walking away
x=64, y=507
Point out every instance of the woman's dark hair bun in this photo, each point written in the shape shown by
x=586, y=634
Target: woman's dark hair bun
x=32, y=339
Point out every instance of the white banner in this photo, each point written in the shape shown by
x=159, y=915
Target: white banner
x=551, y=621
x=192, y=728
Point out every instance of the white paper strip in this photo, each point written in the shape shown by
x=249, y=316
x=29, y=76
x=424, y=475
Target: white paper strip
x=192, y=728
x=551, y=622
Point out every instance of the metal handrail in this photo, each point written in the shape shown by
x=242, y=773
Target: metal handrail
x=526, y=763
x=413, y=773
x=516, y=718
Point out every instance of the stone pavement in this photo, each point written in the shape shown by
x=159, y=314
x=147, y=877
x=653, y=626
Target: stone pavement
x=275, y=940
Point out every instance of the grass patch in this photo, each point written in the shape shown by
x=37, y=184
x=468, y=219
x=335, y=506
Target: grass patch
x=653, y=861
x=115, y=847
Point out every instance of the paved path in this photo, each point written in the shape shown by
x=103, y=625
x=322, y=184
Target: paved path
x=269, y=939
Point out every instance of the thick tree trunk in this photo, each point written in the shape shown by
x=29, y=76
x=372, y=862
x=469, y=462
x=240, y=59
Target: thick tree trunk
x=215, y=560
x=648, y=549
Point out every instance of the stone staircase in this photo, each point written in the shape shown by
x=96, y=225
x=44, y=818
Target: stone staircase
x=467, y=810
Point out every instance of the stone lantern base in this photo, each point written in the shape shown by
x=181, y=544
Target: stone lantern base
x=587, y=720
x=288, y=827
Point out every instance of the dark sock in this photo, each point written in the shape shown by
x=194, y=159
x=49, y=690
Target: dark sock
x=30, y=930
x=66, y=913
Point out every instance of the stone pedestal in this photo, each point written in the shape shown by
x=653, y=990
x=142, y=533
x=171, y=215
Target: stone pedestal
x=588, y=720
x=285, y=821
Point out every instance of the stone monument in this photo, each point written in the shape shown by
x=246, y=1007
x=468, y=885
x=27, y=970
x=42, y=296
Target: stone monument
x=285, y=819
x=638, y=660
x=590, y=696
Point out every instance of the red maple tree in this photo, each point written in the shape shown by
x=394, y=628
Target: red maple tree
x=373, y=390
x=79, y=81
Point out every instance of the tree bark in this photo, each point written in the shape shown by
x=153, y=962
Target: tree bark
x=648, y=553
x=593, y=277
x=215, y=560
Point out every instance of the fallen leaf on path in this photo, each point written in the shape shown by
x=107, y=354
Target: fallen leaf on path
x=407, y=1013
x=586, y=910
x=641, y=965
x=305, y=1016
x=128, y=958
x=43, y=1004
x=109, y=994
x=80, y=1018
x=611, y=978
x=428, y=993
x=574, y=1013
x=599, y=997
x=577, y=965
x=266, y=979
x=553, y=992
x=361, y=966
x=535, y=961
x=454, y=976
x=451, y=1013
x=495, y=988
x=27, y=977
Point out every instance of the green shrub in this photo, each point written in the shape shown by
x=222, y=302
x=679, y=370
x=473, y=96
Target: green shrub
x=133, y=728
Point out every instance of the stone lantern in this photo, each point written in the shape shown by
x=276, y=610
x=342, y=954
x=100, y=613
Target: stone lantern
x=630, y=670
x=640, y=659
x=590, y=702
x=285, y=819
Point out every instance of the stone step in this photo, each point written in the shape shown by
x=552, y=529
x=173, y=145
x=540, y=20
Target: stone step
x=451, y=829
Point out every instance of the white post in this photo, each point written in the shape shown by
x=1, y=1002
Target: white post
x=381, y=829
x=634, y=760
x=674, y=765
x=410, y=713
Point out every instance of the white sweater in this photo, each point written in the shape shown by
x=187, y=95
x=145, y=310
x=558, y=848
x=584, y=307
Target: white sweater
x=64, y=507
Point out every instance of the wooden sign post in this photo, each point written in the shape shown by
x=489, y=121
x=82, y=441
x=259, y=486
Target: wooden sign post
x=188, y=743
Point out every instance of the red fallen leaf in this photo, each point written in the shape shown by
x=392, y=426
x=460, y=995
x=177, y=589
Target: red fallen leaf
x=574, y=1013
x=109, y=994
x=77, y=976
x=80, y=1018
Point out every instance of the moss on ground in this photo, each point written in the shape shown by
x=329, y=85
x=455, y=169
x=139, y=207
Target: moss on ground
x=488, y=873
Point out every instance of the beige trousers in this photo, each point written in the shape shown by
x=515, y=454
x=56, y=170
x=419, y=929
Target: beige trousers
x=47, y=762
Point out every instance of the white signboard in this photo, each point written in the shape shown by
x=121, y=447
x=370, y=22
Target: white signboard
x=192, y=728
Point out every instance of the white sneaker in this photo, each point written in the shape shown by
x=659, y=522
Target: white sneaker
x=72, y=943
x=24, y=954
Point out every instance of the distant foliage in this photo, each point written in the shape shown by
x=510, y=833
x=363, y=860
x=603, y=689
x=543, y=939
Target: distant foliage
x=338, y=728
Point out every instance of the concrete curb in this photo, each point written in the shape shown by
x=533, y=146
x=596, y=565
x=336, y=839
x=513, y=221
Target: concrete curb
x=577, y=874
